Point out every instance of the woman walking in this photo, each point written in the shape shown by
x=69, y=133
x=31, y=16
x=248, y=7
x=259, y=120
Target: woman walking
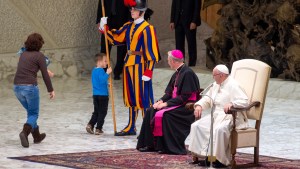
x=26, y=87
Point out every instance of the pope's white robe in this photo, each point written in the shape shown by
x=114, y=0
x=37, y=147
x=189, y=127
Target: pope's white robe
x=228, y=92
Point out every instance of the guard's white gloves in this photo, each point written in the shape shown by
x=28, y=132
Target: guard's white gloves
x=145, y=78
x=103, y=22
x=147, y=75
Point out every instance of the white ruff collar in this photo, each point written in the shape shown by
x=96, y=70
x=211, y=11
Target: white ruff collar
x=139, y=20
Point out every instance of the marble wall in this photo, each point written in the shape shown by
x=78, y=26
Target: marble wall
x=70, y=33
x=62, y=23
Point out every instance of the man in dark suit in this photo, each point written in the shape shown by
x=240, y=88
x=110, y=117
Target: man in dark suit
x=118, y=14
x=185, y=17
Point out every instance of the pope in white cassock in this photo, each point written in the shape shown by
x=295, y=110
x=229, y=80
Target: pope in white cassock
x=224, y=93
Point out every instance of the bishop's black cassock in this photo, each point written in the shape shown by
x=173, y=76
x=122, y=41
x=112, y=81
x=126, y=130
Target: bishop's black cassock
x=176, y=123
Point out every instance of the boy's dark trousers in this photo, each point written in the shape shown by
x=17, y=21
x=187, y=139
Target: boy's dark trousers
x=100, y=111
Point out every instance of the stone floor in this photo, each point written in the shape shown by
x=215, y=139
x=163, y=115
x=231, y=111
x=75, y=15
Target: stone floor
x=64, y=120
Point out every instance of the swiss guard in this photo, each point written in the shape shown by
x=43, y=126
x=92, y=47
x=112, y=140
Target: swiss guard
x=142, y=54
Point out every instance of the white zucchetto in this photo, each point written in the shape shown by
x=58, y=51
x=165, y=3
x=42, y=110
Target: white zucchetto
x=223, y=69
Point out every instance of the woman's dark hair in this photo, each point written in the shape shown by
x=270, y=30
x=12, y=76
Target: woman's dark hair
x=34, y=42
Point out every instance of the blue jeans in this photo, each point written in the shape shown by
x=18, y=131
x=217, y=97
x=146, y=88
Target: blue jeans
x=29, y=97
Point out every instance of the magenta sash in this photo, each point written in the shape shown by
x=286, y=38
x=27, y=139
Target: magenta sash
x=157, y=130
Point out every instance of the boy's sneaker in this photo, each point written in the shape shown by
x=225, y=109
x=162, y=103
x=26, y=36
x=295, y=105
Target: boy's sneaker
x=98, y=132
x=89, y=129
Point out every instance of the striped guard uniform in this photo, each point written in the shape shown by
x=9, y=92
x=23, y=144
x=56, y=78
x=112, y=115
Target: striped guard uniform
x=141, y=38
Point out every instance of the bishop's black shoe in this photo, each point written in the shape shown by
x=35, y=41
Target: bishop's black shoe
x=146, y=149
x=161, y=152
x=124, y=133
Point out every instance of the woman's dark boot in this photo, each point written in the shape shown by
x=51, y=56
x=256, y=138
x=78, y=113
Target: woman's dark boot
x=24, y=135
x=37, y=137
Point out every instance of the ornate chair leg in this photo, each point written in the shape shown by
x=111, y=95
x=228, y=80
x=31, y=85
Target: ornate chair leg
x=233, y=162
x=256, y=156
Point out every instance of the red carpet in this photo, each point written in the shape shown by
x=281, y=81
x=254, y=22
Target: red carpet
x=131, y=158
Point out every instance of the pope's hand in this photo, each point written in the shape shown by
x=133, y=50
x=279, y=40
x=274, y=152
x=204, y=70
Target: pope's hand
x=227, y=107
x=198, y=112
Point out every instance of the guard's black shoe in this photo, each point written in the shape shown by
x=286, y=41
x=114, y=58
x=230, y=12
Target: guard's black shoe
x=123, y=133
x=218, y=164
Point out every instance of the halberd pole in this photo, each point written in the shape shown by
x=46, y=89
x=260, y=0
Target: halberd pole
x=110, y=78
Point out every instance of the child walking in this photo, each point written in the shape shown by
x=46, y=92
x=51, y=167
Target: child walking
x=100, y=95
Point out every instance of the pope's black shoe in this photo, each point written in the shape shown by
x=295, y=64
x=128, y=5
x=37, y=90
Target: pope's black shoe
x=195, y=160
x=124, y=133
x=204, y=163
x=218, y=164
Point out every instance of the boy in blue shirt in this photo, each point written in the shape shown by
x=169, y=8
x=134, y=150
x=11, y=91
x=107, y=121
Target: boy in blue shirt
x=100, y=94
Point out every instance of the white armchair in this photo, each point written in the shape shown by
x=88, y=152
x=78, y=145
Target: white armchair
x=253, y=76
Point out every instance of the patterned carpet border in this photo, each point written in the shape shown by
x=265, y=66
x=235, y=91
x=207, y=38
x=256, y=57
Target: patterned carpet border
x=131, y=158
